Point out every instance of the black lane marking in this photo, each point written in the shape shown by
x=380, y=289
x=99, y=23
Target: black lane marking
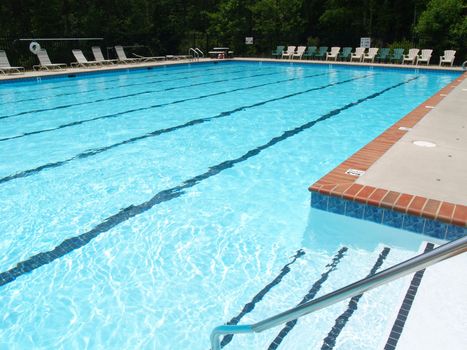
x=76, y=242
x=404, y=310
x=147, y=82
x=130, y=77
x=131, y=95
x=330, y=341
x=92, y=152
x=115, y=115
x=258, y=297
x=309, y=296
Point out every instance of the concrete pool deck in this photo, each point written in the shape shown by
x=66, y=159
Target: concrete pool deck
x=393, y=173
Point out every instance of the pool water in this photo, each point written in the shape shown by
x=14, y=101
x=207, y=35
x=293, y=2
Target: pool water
x=140, y=209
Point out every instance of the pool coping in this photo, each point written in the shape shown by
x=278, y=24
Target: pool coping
x=31, y=75
x=339, y=183
x=353, y=64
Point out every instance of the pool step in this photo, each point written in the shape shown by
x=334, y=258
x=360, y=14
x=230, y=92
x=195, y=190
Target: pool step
x=404, y=309
x=314, y=274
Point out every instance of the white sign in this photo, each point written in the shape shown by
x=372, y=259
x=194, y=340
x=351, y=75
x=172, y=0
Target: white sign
x=365, y=42
x=355, y=172
x=249, y=40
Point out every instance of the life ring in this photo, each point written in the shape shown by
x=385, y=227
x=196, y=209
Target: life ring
x=34, y=47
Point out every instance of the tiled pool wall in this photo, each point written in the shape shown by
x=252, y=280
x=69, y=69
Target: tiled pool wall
x=388, y=217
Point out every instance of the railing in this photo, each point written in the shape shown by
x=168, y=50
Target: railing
x=407, y=267
x=464, y=66
x=199, y=52
x=195, y=56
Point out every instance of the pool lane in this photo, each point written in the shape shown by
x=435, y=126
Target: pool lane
x=73, y=243
x=92, y=152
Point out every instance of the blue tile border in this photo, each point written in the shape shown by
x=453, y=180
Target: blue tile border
x=388, y=217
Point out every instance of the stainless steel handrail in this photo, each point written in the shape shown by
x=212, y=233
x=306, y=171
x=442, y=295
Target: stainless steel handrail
x=414, y=264
x=199, y=52
x=196, y=56
x=464, y=66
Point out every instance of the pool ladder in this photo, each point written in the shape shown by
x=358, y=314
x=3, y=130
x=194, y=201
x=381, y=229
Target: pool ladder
x=196, y=53
x=407, y=267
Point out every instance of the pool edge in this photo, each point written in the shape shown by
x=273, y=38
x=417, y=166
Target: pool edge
x=339, y=184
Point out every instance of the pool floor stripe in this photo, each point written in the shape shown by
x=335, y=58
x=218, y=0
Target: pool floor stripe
x=330, y=341
x=129, y=77
x=309, y=296
x=404, y=310
x=95, y=151
x=258, y=297
x=76, y=242
x=140, y=93
x=119, y=114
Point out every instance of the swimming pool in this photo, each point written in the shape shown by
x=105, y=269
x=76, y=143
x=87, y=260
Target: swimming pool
x=142, y=208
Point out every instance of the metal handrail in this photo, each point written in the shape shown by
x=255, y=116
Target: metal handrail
x=414, y=264
x=199, y=52
x=196, y=56
x=464, y=66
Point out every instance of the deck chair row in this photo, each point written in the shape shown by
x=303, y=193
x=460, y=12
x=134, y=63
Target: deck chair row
x=81, y=60
x=414, y=56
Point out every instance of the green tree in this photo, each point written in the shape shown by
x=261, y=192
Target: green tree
x=278, y=21
x=443, y=25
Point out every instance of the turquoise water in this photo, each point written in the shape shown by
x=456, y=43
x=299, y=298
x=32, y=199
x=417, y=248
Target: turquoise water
x=141, y=209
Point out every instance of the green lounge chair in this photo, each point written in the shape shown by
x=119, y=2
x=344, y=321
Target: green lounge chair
x=310, y=52
x=397, y=56
x=383, y=55
x=345, y=54
x=278, y=52
x=322, y=53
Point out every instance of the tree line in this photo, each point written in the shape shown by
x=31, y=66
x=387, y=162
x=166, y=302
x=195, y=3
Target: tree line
x=172, y=26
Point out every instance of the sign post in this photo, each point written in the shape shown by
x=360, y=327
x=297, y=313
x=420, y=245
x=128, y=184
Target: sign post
x=365, y=42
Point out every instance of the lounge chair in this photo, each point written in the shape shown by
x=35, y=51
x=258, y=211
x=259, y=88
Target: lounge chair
x=310, y=52
x=370, y=56
x=383, y=54
x=81, y=60
x=300, y=52
x=397, y=55
x=358, y=54
x=278, y=51
x=99, y=57
x=425, y=57
x=45, y=62
x=290, y=51
x=122, y=56
x=322, y=52
x=333, y=54
x=411, y=57
x=345, y=54
x=5, y=66
x=449, y=56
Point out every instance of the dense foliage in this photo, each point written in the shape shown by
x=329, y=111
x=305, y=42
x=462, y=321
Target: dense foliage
x=169, y=26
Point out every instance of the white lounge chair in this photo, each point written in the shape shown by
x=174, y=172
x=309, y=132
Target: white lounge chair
x=449, y=56
x=82, y=61
x=333, y=54
x=300, y=52
x=370, y=56
x=358, y=54
x=123, y=58
x=99, y=57
x=5, y=66
x=45, y=62
x=290, y=51
x=425, y=57
x=122, y=55
x=411, y=57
